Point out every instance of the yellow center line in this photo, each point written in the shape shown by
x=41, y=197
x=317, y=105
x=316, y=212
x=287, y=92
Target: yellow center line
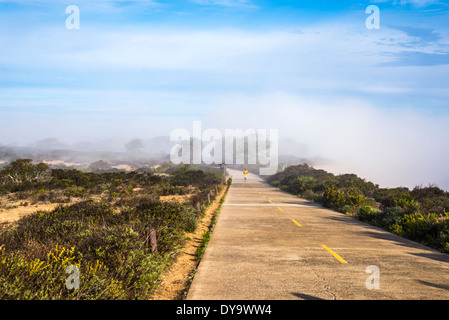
x=270, y=201
x=296, y=222
x=280, y=209
x=332, y=252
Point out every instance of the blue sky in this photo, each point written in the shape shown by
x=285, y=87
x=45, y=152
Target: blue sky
x=368, y=99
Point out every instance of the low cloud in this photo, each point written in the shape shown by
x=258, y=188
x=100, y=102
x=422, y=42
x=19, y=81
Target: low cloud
x=391, y=147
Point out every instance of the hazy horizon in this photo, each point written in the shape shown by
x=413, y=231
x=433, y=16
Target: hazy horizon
x=289, y=151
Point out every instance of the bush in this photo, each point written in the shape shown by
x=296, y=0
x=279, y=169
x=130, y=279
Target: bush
x=25, y=278
x=188, y=176
x=312, y=196
x=99, y=236
x=389, y=197
x=333, y=198
x=74, y=191
x=370, y=215
x=302, y=184
x=354, y=197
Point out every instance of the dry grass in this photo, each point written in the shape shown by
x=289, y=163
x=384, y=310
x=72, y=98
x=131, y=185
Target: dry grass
x=12, y=210
x=178, y=198
x=14, y=214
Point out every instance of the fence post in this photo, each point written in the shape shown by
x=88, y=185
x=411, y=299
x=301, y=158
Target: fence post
x=223, y=169
x=153, y=240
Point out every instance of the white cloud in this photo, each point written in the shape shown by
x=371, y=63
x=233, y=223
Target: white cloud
x=226, y=3
x=322, y=59
x=415, y=3
x=80, y=2
x=220, y=50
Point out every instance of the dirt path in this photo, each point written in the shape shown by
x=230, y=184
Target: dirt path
x=12, y=215
x=177, y=279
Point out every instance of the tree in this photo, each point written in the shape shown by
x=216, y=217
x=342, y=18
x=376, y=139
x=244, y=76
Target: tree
x=134, y=145
x=100, y=166
x=23, y=170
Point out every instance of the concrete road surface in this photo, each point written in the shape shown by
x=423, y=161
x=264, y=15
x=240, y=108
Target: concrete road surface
x=269, y=245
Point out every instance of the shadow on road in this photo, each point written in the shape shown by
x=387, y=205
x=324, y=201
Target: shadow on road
x=305, y=296
x=379, y=233
x=434, y=256
x=435, y=285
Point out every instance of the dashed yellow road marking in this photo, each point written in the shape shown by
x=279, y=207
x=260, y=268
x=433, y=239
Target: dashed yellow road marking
x=332, y=252
x=280, y=209
x=270, y=201
x=297, y=223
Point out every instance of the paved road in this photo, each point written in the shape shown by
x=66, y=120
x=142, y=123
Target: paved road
x=269, y=245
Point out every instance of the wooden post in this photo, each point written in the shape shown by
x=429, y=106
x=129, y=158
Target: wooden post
x=208, y=197
x=153, y=240
x=216, y=190
x=223, y=169
x=198, y=206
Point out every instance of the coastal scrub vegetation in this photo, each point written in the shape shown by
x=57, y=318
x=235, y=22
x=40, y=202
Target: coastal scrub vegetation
x=102, y=223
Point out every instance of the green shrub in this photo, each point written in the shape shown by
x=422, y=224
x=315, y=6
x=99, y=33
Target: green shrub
x=202, y=247
x=333, y=198
x=276, y=183
x=312, y=195
x=301, y=184
x=370, y=215
x=74, y=191
x=354, y=197
x=117, y=242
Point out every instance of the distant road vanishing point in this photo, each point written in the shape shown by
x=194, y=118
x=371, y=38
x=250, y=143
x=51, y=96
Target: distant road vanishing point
x=270, y=245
